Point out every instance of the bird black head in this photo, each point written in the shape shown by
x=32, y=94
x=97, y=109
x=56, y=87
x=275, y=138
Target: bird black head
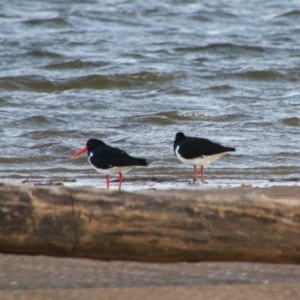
x=179, y=136
x=94, y=143
x=90, y=145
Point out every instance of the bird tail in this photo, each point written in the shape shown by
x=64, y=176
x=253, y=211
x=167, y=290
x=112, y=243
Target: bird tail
x=141, y=162
x=230, y=149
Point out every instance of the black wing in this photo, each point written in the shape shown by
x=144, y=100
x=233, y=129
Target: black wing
x=108, y=157
x=196, y=147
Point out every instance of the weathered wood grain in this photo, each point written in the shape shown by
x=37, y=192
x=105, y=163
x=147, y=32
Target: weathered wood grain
x=162, y=226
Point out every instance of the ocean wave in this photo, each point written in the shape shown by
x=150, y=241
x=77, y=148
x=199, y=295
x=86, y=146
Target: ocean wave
x=75, y=64
x=221, y=88
x=42, y=54
x=293, y=121
x=293, y=13
x=37, y=121
x=50, y=134
x=172, y=117
x=55, y=21
x=215, y=118
x=42, y=84
x=260, y=75
x=221, y=47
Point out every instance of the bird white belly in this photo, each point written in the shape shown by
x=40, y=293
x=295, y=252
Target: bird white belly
x=199, y=161
x=114, y=170
x=111, y=171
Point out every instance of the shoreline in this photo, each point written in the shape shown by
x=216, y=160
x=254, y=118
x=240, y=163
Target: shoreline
x=155, y=183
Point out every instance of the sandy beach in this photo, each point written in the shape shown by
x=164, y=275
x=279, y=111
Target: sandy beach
x=40, y=277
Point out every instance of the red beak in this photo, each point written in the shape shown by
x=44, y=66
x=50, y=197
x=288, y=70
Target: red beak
x=79, y=152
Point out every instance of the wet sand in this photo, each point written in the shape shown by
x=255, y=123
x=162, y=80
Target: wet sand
x=145, y=184
x=245, y=292
x=42, y=277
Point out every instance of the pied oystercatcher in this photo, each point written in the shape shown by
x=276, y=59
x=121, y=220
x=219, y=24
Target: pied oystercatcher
x=196, y=151
x=108, y=160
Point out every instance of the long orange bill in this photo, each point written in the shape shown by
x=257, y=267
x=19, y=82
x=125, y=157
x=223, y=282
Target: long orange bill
x=79, y=152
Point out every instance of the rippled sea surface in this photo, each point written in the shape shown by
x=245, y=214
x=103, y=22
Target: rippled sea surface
x=133, y=73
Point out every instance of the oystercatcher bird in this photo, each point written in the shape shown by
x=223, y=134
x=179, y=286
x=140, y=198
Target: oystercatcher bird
x=196, y=151
x=108, y=160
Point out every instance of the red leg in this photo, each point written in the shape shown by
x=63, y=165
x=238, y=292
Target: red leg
x=202, y=174
x=107, y=182
x=120, y=180
x=195, y=174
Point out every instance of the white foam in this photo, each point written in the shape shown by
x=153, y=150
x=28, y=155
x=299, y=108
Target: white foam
x=180, y=185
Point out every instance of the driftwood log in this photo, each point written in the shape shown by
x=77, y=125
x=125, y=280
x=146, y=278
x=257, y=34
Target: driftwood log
x=249, y=224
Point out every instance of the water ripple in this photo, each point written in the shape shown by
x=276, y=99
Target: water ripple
x=55, y=21
x=43, y=84
x=75, y=64
x=228, y=47
x=292, y=121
